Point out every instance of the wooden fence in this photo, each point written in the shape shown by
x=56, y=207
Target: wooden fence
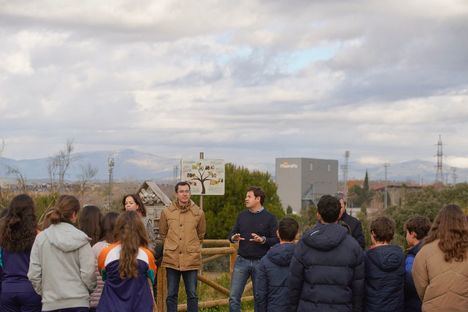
x=213, y=249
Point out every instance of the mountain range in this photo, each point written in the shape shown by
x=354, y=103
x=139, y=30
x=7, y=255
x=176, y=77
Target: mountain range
x=135, y=165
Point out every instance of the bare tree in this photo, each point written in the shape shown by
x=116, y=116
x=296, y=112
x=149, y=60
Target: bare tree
x=60, y=163
x=87, y=173
x=2, y=148
x=20, y=178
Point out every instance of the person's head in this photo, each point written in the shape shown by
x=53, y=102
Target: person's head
x=416, y=229
x=254, y=198
x=382, y=230
x=182, y=190
x=328, y=209
x=341, y=198
x=287, y=229
x=108, y=225
x=90, y=222
x=130, y=232
x=18, y=227
x=66, y=210
x=450, y=227
x=132, y=202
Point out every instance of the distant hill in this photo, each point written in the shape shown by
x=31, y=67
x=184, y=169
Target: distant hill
x=129, y=165
x=134, y=165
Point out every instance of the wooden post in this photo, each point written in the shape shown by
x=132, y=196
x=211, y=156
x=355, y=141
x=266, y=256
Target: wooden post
x=162, y=289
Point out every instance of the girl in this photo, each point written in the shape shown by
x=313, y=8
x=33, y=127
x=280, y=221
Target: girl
x=107, y=230
x=18, y=230
x=90, y=222
x=62, y=267
x=126, y=267
x=132, y=202
x=440, y=269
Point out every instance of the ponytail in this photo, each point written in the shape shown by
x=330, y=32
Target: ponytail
x=66, y=206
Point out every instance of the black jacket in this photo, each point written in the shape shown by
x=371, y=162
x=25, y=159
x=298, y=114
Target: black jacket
x=327, y=271
x=385, y=274
x=355, y=228
x=271, y=274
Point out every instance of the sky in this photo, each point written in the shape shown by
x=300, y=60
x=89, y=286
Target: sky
x=246, y=81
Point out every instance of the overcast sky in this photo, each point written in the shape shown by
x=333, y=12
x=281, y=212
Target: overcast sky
x=246, y=81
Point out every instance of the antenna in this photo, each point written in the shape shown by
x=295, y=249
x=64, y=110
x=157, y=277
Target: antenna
x=440, y=155
x=110, y=164
x=345, y=168
x=454, y=175
x=386, y=165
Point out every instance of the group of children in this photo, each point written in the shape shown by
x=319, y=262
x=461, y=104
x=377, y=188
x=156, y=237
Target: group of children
x=78, y=261
x=327, y=270
x=78, y=251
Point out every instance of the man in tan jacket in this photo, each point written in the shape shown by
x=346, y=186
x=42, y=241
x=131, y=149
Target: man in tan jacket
x=182, y=227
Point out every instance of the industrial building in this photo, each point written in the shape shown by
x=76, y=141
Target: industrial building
x=302, y=181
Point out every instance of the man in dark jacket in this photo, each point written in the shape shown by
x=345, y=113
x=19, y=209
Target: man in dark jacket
x=255, y=230
x=354, y=224
x=416, y=230
x=385, y=269
x=327, y=269
x=271, y=274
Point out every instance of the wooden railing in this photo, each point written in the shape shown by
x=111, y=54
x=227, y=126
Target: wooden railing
x=213, y=249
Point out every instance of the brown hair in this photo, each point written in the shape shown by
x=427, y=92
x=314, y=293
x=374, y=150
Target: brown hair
x=450, y=228
x=64, y=208
x=18, y=228
x=258, y=192
x=383, y=229
x=108, y=225
x=419, y=225
x=90, y=222
x=141, y=208
x=131, y=233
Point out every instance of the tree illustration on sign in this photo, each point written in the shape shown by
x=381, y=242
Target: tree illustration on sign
x=202, y=173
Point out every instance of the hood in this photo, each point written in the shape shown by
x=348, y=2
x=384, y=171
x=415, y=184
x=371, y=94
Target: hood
x=66, y=237
x=281, y=254
x=387, y=257
x=325, y=236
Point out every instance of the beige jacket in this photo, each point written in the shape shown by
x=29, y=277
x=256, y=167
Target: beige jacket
x=182, y=230
x=442, y=286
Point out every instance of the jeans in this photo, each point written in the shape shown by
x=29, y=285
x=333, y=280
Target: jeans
x=190, y=281
x=243, y=269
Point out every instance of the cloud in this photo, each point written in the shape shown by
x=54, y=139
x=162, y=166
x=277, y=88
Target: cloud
x=244, y=80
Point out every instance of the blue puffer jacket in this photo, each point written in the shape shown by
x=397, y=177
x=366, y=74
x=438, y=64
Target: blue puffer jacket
x=327, y=271
x=412, y=301
x=385, y=274
x=271, y=274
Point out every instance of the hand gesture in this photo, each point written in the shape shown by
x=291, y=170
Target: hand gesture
x=236, y=237
x=257, y=239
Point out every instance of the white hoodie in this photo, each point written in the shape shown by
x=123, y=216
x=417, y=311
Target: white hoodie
x=62, y=267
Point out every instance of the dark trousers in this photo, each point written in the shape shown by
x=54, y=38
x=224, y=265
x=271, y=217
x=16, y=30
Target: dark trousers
x=190, y=281
x=20, y=302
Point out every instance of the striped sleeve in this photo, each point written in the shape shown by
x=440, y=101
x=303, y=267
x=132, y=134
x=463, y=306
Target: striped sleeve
x=151, y=265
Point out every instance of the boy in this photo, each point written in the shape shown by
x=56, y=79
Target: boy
x=416, y=230
x=327, y=268
x=271, y=293
x=385, y=270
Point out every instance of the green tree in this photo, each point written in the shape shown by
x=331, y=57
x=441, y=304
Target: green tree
x=221, y=211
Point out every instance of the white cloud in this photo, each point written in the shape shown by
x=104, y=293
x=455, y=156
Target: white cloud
x=245, y=79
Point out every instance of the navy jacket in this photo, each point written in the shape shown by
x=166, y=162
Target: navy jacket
x=355, y=227
x=385, y=274
x=327, y=271
x=271, y=274
x=412, y=301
